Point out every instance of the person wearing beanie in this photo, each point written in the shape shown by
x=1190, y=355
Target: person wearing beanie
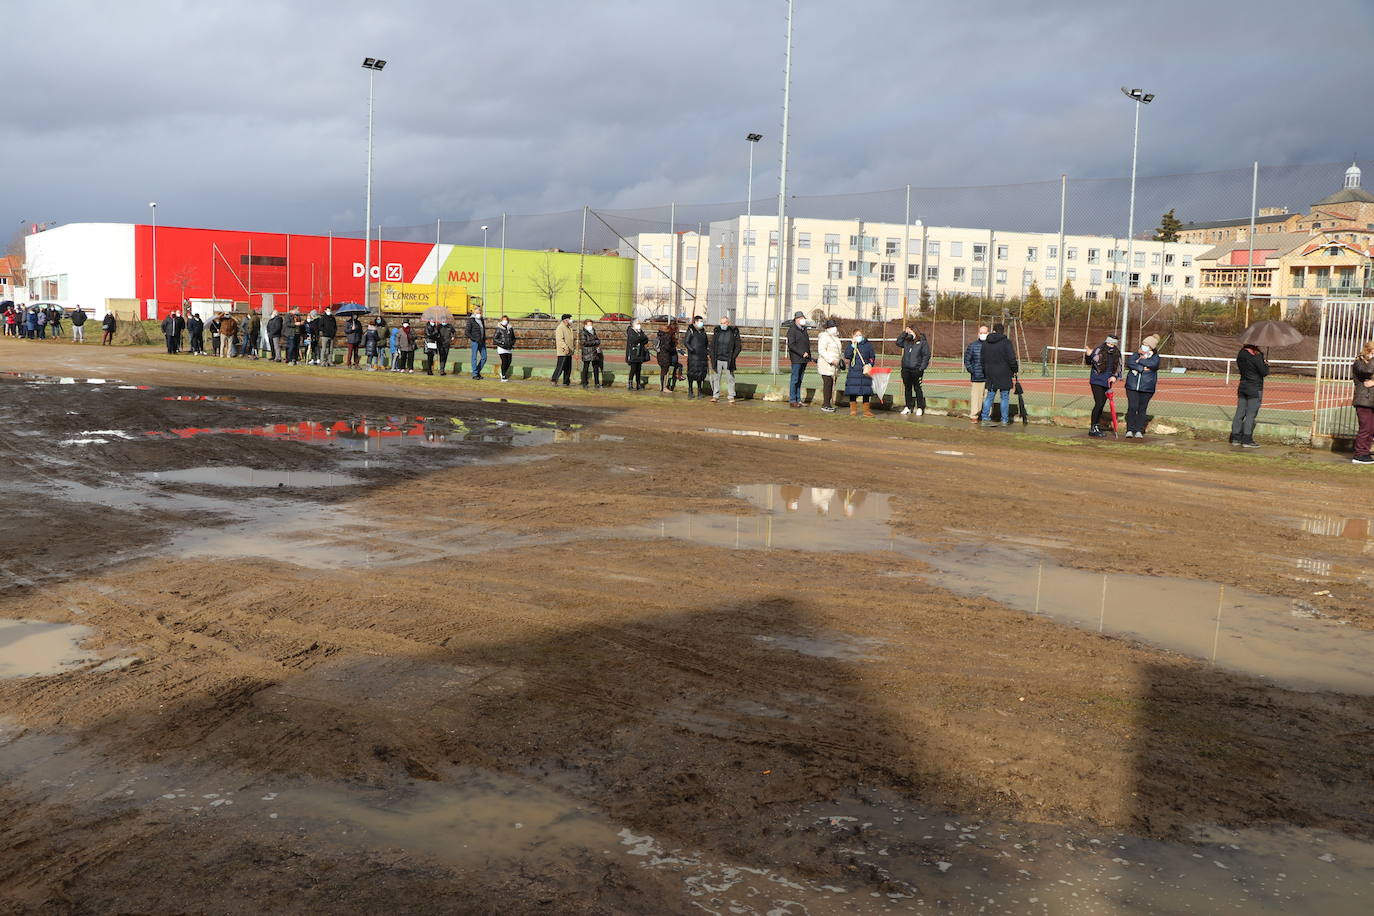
x=829, y=358
x=1142, y=371
x=1105, y=360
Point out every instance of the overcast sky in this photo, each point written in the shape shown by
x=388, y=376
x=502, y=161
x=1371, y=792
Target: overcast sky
x=248, y=114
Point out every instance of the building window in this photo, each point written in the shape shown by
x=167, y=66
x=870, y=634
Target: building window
x=749, y=236
x=1052, y=252
x=1032, y=253
x=1052, y=274
x=956, y=249
x=752, y=289
x=890, y=298
x=1135, y=279
x=888, y=273
x=1095, y=277
x=980, y=276
x=1090, y=294
x=1154, y=279
x=1070, y=273
x=772, y=263
x=830, y=295
x=644, y=272
x=803, y=265
x=691, y=253
x=1188, y=281
x=1139, y=259
x=803, y=240
x=1168, y=260
x=894, y=247
x=1000, y=277
x=980, y=253
x=832, y=243
x=748, y=264
x=1093, y=256
x=933, y=274
x=801, y=290
x=691, y=275
x=262, y=260
x=1154, y=259
x=959, y=274
x=863, y=293
x=834, y=270
x=864, y=242
x=1187, y=261
x=773, y=237
x=772, y=288
x=1027, y=278
x=1002, y=252
x=1071, y=254
x=861, y=268
x=933, y=249
x=913, y=271
x=1168, y=279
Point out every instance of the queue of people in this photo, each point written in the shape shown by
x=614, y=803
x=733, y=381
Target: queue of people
x=41, y=321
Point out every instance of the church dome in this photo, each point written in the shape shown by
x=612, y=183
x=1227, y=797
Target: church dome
x=1352, y=176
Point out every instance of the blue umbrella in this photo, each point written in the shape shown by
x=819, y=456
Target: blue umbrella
x=351, y=308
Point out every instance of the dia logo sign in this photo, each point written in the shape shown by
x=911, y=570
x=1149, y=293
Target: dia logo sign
x=394, y=272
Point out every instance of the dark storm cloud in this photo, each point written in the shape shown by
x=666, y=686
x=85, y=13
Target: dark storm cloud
x=253, y=114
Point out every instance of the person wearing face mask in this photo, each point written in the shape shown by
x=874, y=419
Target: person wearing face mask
x=636, y=354
x=1105, y=360
x=799, y=354
x=858, y=384
x=668, y=364
x=1142, y=370
x=829, y=359
x=977, y=381
x=477, y=336
x=1000, y=368
x=915, y=358
x=592, y=358
x=725, y=350
x=504, y=338
x=698, y=348
x=565, y=344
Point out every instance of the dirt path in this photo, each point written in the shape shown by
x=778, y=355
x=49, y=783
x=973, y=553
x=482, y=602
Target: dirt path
x=343, y=693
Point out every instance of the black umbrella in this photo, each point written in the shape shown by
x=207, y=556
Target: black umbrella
x=351, y=308
x=1267, y=334
x=1021, y=403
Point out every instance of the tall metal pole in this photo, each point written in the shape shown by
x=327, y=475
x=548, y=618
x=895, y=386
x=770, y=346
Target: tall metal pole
x=153, y=206
x=503, y=263
x=438, y=262
x=582, y=261
x=1059, y=296
x=367, y=215
x=672, y=258
x=330, y=280
x=782, y=189
x=1250, y=271
x=1130, y=230
x=484, y=268
x=748, y=223
x=906, y=254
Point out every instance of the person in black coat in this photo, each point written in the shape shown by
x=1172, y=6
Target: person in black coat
x=328, y=328
x=276, y=326
x=999, y=368
x=725, y=350
x=477, y=341
x=1249, y=393
x=592, y=358
x=666, y=351
x=172, y=327
x=107, y=329
x=353, y=338
x=195, y=329
x=504, y=339
x=915, y=350
x=636, y=354
x=698, y=347
x=78, y=325
x=798, y=354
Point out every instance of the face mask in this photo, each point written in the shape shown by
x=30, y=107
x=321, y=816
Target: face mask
x=587, y=327
x=700, y=325
x=1145, y=351
x=982, y=337
x=858, y=338
x=636, y=326
x=504, y=322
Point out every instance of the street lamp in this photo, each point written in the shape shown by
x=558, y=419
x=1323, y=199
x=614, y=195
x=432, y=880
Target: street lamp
x=1141, y=98
x=152, y=205
x=749, y=216
x=373, y=66
x=484, y=267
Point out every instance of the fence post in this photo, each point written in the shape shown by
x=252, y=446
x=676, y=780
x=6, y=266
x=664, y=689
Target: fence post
x=1317, y=387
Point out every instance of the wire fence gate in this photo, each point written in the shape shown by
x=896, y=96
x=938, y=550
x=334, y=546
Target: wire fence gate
x=1345, y=326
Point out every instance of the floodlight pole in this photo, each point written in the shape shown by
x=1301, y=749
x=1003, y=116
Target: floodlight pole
x=1250, y=270
x=153, y=207
x=782, y=193
x=753, y=139
x=484, y=268
x=1140, y=98
x=372, y=65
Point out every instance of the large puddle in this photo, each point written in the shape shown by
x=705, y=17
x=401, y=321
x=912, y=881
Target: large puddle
x=30, y=648
x=898, y=857
x=1273, y=638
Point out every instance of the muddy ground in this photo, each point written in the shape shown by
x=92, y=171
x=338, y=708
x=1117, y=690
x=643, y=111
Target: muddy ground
x=352, y=643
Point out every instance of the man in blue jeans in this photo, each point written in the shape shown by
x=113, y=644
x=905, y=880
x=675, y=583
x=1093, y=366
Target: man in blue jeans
x=999, y=371
x=477, y=337
x=799, y=353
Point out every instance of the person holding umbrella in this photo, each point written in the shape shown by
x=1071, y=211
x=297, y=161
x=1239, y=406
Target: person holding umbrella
x=353, y=338
x=1142, y=370
x=1105, y=360
x=1253, y=367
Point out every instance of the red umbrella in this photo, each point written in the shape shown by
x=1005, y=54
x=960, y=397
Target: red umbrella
x=1111, y=405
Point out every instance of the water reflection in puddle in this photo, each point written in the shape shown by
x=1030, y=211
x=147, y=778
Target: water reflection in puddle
x=373, y=434
x=1232, y=628
x=243, y=476
x=30, y=648
x=1335, y=526
x=760, y=434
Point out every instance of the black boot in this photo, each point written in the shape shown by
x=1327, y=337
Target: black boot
x=1095, y=432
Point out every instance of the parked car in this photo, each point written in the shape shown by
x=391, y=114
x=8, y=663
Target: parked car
x=536, y=315
x=615, y=316
x=662, y=318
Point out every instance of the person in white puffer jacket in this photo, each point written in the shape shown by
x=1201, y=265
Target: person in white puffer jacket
x=829, y=357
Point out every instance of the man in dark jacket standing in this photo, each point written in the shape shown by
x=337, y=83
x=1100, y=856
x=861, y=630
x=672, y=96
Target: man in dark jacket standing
x=999, y=371
x=477, y=336
x=698, y=346
x=1253, y=368
x=973, y=365
x=725, y=350
x=275, y=326
x=78, y=325
x=107, y=328
x=328, y=328
x=172, y=327
x=799, y=353
x=915, y=358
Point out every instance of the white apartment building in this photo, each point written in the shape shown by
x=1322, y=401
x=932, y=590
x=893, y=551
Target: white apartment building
x=885, y=270
x=670, y=272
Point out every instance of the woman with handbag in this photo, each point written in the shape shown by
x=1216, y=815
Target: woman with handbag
x=858, y=382
x=829, y=361
x=668, y=363
x=636, y=354
x=592, y=357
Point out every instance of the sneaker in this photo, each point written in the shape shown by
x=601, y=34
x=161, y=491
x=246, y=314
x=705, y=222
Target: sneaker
x=919, y=411
x=827, y=410
x=906, y=411
x=1362, y=459
x=1095, y=432
x=1251, y=444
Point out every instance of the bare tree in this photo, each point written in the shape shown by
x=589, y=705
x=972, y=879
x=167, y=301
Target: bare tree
x=184, y=275
x=547, y=282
